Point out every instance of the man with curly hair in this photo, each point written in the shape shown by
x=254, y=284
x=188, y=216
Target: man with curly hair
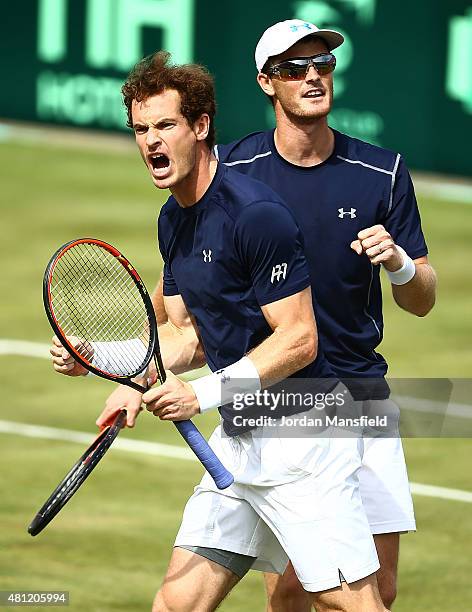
x=237, y=294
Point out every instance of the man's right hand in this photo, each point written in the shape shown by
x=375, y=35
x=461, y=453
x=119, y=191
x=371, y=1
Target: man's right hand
x=62, y=360
x=122, y=397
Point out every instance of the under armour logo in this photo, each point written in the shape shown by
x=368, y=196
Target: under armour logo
x=306, y=25
x=206, y=256
x=343, y=213
x=280, y=270
x=224, y=378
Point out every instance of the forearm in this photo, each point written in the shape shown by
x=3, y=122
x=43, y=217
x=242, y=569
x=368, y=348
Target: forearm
x=284, y=352
x=181, y=349
x=413, y=281
x=291, y=346
x=418, y=295
x=158, y=302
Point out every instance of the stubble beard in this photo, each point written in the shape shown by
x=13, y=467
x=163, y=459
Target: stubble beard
x=186, y=172
x=297, y=114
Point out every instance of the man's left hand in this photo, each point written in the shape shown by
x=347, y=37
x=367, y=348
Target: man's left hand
x=175, y=400
x=379, y=247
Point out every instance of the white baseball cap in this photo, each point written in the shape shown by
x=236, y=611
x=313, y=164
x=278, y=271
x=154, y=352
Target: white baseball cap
x=282, y=35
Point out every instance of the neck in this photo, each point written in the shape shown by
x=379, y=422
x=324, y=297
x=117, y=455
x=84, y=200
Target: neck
x=303, y=144
x=192, y=188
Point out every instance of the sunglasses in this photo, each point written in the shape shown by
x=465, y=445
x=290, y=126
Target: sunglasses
x=295, y=69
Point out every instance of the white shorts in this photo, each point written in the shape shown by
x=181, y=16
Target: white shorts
x=383, y=479
x=293, y=498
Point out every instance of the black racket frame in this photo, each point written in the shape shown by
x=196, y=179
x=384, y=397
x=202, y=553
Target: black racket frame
x=153, y=349
x=74, y=478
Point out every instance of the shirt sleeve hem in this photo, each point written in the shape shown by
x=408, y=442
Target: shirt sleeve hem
x=168, y=291
x=417, y=254
x=283, y=293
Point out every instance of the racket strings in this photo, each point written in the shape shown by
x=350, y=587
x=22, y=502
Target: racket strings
x=110, y=314
x=114, y=356
x=107, y=297
x=95, y=299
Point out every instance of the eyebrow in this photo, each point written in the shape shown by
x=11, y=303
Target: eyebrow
x=158, y=123
x=165, y=120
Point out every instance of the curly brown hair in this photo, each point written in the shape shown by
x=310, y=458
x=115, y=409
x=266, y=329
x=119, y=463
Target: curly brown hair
x=154, y=74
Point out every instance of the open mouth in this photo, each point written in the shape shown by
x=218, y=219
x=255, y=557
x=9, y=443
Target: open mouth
x=159, y=162
x=314, y=93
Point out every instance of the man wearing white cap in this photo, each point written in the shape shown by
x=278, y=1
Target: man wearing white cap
x=356, y=207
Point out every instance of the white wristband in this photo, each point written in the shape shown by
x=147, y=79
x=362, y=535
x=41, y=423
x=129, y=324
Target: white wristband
x=208, y=389
x=405, y=273
x=120, y=356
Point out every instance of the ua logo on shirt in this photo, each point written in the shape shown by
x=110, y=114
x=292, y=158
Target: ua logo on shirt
x=206, y=256
x=343, y=213
x=224, y=378
x=279, y=270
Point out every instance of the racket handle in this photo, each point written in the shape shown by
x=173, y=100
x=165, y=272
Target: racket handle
x=205, y=454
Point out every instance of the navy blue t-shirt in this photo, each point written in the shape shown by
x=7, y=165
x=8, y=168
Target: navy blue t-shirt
x=358, y=186
x=235, y=250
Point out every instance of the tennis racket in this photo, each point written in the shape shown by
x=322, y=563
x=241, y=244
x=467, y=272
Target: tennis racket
x=76, y=475
x=100, y=310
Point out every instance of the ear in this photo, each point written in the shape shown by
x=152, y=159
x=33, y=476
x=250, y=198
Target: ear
x=265, y=84
x=201, y=127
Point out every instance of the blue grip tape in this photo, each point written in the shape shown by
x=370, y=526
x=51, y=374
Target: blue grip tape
x=223, y=479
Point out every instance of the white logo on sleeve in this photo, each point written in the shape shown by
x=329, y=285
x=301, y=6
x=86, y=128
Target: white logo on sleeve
x=278, y=271
x=206, y=255
x=343, y=213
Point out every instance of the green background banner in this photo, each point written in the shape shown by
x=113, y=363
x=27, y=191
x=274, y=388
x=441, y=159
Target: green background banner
x=403, y=81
